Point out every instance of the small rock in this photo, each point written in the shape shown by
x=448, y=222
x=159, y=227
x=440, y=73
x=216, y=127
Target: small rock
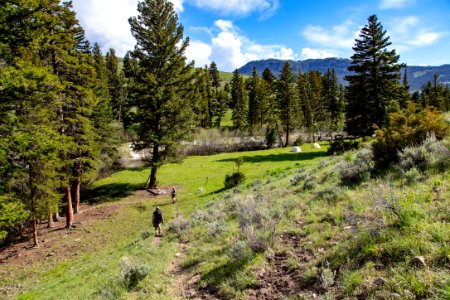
x=178, y=254
x=348, y=227
x=321, y=250
x=396, y=296
x=379, y=281
x=418, y=261
x=50, y=254
x=379, y=267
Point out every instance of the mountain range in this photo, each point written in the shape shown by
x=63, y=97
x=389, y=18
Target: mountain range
x=417, y=75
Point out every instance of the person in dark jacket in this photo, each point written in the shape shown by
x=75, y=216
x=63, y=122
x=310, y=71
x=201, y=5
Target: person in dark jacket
x=157, y=220
x=174, y=195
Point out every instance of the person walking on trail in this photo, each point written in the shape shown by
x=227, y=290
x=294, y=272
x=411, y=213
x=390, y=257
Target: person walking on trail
x=157, y=221
x=174, y=195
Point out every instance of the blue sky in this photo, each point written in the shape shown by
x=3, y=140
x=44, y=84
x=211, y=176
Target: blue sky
x=233, y=32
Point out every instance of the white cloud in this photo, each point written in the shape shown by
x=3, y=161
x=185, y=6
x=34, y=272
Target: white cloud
x=177, y=5
x=106, y=22
x=339, y=36
x=424, y=38
x=308, y=53
x=199, y=52
x=238, y=7
x=286, y=54
x=407, y=34
x=393, y=4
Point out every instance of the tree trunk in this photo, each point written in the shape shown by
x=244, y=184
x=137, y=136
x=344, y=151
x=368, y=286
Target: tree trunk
x=287, y=136
x=35, y=233
x=50, y=219
x=155, y=158
x=77, y=194
x=69, y=210
x=56, y=217
x=152, y=183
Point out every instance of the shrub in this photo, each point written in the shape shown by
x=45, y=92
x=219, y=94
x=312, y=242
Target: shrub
x=178, y=224
x=239, y=252
x=270, y=137
x=215, y=228
x=298, y=178
x=406, y=129
x=338, y=145
x=145, y=235
x=432, y=154
x=234, y=180
x=357, y=170
x=299, y=141
x=310, y=183
x=132, y=273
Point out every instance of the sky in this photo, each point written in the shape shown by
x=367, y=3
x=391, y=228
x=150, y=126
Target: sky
x=234, y=32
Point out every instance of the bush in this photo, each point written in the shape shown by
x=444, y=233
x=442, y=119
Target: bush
x=339, y=145
x=310, y=183
x=357, y=170
x=432, y=154
x=270, y=137
x=240, y=252
x=132, y=273
x=234, y=180
x=406, y=129
x=299, y=141
x=178, y=224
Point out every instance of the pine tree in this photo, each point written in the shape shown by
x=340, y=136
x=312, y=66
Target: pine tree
x=374, y=84
x=333, y=97
x=239, y=101
x=254, y=100
x=162, y=82
x=116, y=82
x=288, y=101
x=405, y=97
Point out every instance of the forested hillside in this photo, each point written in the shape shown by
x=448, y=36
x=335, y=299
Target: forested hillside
x=417, y=75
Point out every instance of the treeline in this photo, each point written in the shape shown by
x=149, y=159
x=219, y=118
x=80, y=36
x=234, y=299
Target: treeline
x=56, y=121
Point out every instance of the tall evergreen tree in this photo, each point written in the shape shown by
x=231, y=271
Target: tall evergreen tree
x=162, y=82
x=374, y=82
x=239, y=101
x=254, y=100
x=405, y=97
x=288, y=101
x=117, y=82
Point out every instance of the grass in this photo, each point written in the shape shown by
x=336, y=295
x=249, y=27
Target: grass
x=349, y=235
x=98, y=275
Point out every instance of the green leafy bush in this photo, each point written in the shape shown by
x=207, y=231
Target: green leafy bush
x=234, y=180
x=406, y=129
x=339, y=145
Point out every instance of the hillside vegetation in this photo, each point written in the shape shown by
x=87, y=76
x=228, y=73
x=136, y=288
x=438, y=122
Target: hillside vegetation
x=301, y=225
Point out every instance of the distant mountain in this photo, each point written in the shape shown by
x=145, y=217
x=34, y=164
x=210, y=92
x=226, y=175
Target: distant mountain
x=417, y=75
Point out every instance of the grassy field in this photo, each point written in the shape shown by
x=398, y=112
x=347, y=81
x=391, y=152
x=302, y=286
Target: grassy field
x=96, y=272
x=301, y=226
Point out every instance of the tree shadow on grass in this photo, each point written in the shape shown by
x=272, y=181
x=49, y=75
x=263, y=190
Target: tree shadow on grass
x=109, y=192
x=279, y=157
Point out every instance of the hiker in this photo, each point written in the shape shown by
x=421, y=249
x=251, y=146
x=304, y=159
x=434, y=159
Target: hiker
x=157, y=221
x=174, y=195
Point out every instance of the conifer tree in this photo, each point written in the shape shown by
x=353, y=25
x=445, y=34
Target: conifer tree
x=374, y=82
x=287, y=101
x=254, y=98
x=405, y=97
x=162, y=82
x=239, y=101
x=116, y=82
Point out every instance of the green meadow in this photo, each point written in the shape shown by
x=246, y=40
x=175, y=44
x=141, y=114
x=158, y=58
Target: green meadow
x=301, y=226
x=97, y=272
